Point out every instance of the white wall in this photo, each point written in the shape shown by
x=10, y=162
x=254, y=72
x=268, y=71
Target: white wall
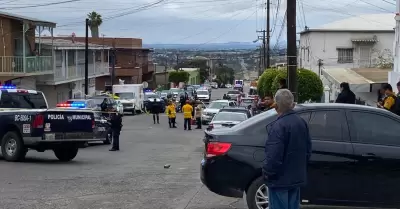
x=323, y=45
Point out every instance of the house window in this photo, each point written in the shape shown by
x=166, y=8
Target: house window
x=71, y=57
x=345, y=55
x=59, y=58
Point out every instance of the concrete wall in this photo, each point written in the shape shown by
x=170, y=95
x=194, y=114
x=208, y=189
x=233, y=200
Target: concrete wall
x=323, y=45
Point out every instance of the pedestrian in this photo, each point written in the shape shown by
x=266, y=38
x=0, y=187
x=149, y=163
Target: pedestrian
x=155, y=109
x=199, y=110
x=390, y=99
x=187, y=110
x=116, y=126
x=287, y=152
x=282, y=83
x=171, y=112
x=182, y=100
x=269, y=102
x=398, y=89
x=346, y=95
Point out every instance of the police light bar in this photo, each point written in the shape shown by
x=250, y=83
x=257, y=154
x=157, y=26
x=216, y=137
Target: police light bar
x=8, y=87
x=148, y=90
x=74, y=104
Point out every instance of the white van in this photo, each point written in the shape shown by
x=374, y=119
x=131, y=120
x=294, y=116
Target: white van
x=131, y=96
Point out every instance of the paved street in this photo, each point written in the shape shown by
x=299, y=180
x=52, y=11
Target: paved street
x=132, y=178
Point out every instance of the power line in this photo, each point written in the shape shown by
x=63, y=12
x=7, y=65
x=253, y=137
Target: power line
x=40, y=5
x=376, y=6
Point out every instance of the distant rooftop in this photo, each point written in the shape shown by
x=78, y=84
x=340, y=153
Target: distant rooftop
x=369, y=22
x=68, y=44
x=30, y=19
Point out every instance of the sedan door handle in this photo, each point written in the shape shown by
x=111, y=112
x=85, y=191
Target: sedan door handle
x=369, y=155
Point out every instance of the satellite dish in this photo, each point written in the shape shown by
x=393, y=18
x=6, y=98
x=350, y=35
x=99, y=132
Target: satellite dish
x=145, y=84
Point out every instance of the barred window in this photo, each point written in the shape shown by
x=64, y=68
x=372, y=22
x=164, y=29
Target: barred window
x=345, y=55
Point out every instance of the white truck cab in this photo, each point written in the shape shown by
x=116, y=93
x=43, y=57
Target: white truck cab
x=131, y=97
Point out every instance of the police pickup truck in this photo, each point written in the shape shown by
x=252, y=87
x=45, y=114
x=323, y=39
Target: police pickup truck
x=26, y=123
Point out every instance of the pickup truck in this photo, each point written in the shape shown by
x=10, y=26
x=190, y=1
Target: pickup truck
x=27, y=123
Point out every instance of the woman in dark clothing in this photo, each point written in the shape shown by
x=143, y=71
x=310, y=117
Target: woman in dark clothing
x=282, y=84
x=346, y=95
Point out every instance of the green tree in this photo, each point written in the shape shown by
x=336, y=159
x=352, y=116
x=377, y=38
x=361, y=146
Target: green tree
x=95, y=21
x=309, y=85
x=196, y=63
x=224, y=74
x=178, y=76
x=264, y=84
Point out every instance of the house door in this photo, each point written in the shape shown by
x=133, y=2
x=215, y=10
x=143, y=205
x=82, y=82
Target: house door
x=365, y=56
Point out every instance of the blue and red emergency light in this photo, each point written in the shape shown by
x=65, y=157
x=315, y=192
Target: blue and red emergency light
x=8, y=87
x=72, y=105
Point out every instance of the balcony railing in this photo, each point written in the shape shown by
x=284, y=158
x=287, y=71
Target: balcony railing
x=34, y=64
x=78, y=71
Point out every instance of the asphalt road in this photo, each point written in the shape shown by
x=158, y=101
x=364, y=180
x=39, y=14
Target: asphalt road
x=133, y=178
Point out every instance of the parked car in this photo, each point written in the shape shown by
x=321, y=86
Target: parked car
x=213, y=109
x=355, y=158
x=203, y=95
x=233, y=94
x=226, y=120
x=237, y=110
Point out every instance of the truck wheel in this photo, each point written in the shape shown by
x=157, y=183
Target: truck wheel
x=12, y=147
x=257, y=194
x=66, y=154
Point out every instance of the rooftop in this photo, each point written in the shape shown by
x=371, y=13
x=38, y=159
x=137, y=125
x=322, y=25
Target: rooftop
x=369, y=22
x=68, y=44
x=29, y=19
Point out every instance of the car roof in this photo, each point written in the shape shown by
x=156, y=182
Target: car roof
x=222, y=100
x=233, y=108
x=338, y=106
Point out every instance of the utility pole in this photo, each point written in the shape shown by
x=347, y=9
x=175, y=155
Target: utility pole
x=87, y=57
x=268, y=64
x=264, y=47
x=291, y=47
x=113, y=67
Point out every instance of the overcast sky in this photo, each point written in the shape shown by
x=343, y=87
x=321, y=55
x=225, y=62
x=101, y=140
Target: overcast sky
x=191, y=21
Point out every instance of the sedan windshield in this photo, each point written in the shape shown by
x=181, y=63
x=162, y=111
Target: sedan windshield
x=230, y=116
x=218, y=105
x=233, y=92
x=151, y=96
x=202, y=92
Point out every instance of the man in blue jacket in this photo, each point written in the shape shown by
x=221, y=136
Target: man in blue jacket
x=287, y=150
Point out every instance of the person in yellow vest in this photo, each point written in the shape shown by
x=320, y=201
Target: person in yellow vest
x=171, y=112
x=187, y=110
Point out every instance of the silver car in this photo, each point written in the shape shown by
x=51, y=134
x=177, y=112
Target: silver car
x=234, y=94
x=226, y=120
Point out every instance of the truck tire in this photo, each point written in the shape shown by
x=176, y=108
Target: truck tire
x=12, y=147
x=66, y=154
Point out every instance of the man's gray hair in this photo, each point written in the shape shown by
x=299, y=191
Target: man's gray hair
x=284, y=100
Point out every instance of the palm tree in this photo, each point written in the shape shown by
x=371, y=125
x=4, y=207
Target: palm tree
x=95, y=21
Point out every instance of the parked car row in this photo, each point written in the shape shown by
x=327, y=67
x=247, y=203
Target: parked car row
x=355, y=156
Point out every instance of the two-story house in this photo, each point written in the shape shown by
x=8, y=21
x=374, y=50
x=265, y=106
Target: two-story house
x=67, y=81
x=132, y=62
x=20, y=57
x=357, y=50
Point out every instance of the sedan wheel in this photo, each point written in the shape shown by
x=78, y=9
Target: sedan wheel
x=261, y=197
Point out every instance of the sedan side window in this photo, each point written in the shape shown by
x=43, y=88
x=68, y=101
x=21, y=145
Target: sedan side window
x=374, y=129
x=326, y=125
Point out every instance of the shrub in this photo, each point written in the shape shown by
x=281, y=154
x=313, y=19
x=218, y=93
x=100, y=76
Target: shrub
x=264, y=84
x=309, y=85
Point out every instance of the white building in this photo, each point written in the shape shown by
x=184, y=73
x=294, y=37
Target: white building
x=356, y=50
x=67, y=81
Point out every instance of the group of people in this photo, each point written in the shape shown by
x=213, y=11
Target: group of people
x=387, y=99
x=191, y=110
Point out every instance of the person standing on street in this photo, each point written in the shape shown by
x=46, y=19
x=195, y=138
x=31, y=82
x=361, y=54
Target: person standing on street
x=390, y=99
x=155, y=110
x=187, y=110
x=171, y=112
x=198, y=114
x=116, y=126
x=282, y=83
x=346, y=95
x=287, y=151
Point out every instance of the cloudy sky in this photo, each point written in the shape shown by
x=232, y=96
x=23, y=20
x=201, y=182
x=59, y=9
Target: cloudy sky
x=191, y=21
